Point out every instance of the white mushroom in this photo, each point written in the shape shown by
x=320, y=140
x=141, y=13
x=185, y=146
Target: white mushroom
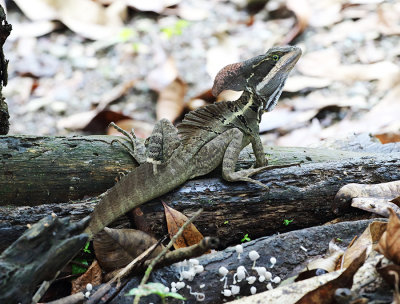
x=239, y=250
x=254, y=256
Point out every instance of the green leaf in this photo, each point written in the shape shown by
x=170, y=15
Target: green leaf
x=154, y=288
x=86, y=248
x=125, y=34
x=175, y=29
x=226, y=222
x=76, y=269
x=246, y=238
x=287, y=222
x=175, y=295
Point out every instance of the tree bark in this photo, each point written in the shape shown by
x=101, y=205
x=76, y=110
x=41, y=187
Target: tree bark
x=40, y=170
x=5, y=30
x=303, y=194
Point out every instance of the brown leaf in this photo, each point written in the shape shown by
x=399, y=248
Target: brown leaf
x=140, y=220
x=389, y=137
x=99, y=123
x=200, y=100
x=170, y=101
x=325, y=293
x=387, y=274
x=116, y=248
x=368, y=238
x=348, y=192
x=85, y=17
x=396, y=200
x=162, y=75
x=389, y=244
x=93, y=275
x=175, y=220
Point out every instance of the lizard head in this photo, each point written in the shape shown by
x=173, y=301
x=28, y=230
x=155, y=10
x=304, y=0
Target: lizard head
x=264, y=75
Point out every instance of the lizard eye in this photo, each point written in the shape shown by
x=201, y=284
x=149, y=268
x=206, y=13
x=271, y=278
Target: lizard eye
x=275, y=57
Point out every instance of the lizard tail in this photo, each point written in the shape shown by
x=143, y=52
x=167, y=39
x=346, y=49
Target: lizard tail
x=134, y=189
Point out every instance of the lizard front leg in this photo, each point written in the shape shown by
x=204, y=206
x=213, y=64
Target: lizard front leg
x=258, y=150
x=225, y=149
x=238, y=142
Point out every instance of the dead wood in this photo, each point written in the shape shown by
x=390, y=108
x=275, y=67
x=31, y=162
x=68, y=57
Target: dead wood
x=287, y=248
x=62, y=168
x=38, y=255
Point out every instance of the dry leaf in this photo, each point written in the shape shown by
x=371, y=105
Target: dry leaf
x=220, y=56
x=85, y=17
x=116, y=248
x=33, y=29
x=365, y=242
x=170, y=101
x=111, y=96
x=300, y=83
x=387, y=272
x=93, y=276
x=325, y=293
x=302, y=11
x=175, y=220
x=286, y=119
x=156, y=6
x=326, y=63
x=386, y=138
x=379, y=206
x=389, y=244
x=163, y=75
x=345, y=195
x=99, y=123
x=200, y=100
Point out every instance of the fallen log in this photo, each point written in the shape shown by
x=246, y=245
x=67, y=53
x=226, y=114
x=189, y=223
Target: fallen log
x=293, y=250
x=303, y=195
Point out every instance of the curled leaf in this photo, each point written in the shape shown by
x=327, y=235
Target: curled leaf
x=389, y=244
x=175, y=220
x=116, y=248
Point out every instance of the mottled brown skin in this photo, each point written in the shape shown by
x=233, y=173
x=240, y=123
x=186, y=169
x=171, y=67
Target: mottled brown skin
x=206, y=138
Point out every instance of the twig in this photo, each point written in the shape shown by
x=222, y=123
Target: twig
x=72, y=299
x=186, y=253
x=163, y=252
x=121, y=274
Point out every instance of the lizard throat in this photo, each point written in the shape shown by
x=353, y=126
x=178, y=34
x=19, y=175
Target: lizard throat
x=274, y=97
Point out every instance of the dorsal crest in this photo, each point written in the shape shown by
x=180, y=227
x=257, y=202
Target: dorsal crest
x=209, y=119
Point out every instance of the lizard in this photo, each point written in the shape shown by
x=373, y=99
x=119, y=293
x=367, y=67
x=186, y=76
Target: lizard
x=206, y=138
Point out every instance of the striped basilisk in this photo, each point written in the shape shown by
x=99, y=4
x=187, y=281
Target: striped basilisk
x=206, y=138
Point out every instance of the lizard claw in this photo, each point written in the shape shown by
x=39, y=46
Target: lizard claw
x=137, y=150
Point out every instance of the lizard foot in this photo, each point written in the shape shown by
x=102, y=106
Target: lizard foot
x=137, y=150
x=244, y=175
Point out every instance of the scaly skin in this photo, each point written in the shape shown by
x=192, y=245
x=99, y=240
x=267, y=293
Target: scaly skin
x=206, y=137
